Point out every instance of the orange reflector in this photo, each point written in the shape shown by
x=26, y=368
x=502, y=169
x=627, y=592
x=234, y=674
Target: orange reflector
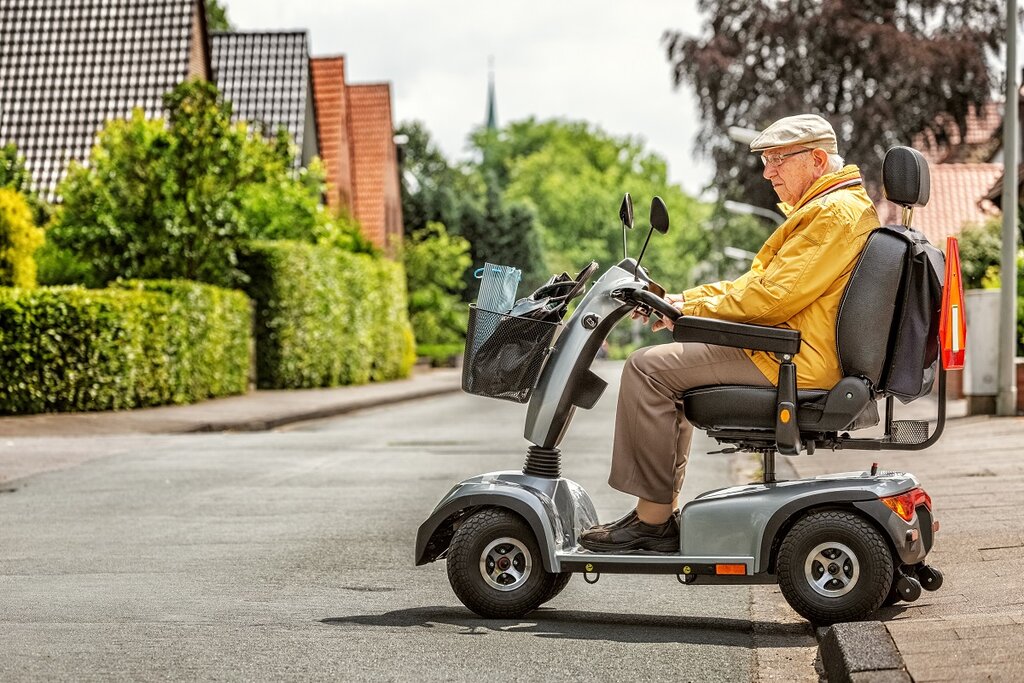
x=784, y=415
x=952, y=321
x=740, y=569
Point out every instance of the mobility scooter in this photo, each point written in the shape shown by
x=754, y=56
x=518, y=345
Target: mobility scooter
x=839, y=546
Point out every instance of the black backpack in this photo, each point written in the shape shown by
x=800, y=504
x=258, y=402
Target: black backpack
x=914, y=336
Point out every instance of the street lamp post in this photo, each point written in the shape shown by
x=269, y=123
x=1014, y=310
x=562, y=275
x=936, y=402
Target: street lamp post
x=750, y=209
x=1006, y=402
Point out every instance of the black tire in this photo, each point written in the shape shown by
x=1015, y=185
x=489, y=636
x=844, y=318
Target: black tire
x=561, y=581
x=507, y=592
x=893, y=596
x=852, y=551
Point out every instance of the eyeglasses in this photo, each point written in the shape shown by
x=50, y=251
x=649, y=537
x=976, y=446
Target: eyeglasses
x=776, y=159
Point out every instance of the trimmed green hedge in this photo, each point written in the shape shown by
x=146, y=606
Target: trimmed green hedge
x=326, y=317
x=137, y=344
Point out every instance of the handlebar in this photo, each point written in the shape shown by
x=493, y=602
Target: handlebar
x=656, y=303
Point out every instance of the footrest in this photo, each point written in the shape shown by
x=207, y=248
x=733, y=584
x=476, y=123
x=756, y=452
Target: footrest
x=909, y=431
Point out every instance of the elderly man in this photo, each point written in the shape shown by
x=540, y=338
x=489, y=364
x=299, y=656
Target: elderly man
x=796, y=281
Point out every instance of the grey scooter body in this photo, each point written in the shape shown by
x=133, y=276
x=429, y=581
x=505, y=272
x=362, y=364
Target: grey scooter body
x=731, y=527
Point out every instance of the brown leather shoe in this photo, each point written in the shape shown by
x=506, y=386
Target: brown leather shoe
x=621, y=521
x=633, y=534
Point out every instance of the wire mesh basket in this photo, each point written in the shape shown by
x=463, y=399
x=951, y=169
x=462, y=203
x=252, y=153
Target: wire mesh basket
x=504, y=354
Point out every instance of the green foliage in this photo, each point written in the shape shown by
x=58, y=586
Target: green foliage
x=432, y=191
x=342, y=231
x=217, y=17
x=573, y=175
x=981, y=260
x=434, y=262
x=19, y=239
x=177, y=199
x=981, y=254
x=325, y=317
x=14, y=175
x=504, y=232
x=754, y=62
x=144, y=344
x=470, y=203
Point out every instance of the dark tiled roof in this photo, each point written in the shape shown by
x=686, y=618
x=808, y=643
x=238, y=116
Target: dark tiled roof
x=266, y=77
x=67, y=66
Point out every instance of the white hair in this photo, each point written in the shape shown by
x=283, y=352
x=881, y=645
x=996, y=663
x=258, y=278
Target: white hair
x=835, y=163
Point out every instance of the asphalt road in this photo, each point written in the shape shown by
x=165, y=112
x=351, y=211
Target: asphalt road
x=289, y=555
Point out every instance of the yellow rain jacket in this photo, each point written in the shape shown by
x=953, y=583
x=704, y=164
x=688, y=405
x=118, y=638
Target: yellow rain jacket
x=798, y=277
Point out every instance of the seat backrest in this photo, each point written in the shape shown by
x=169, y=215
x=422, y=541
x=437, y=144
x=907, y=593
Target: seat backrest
x=870, y=320
x=866, y=313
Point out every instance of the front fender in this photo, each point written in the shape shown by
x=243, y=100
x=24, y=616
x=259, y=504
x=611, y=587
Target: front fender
x=556, y=510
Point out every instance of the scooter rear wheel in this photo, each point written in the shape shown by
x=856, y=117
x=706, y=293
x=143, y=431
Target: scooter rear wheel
x=495, y=568
x=834, y=566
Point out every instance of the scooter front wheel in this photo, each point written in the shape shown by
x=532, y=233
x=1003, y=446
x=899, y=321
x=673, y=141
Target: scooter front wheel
x=834, y=566
x=494, y=566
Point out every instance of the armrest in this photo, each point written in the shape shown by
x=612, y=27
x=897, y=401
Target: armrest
x=738, y=335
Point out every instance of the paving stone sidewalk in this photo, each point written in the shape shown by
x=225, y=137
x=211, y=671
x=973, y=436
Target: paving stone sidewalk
x=972, y=629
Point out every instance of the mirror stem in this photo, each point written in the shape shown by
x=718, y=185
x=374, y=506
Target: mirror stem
x=636, y=269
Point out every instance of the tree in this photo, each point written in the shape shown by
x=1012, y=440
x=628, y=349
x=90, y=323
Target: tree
x=573, y=176
x=880, y=71
x=501, y=232
x=434, y=262
x=470, y=205
x=217, y=17
x=178, y=198
x=14, y=175
x=19, y=239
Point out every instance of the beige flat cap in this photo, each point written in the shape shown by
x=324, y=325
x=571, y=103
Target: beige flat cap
x=808, y=130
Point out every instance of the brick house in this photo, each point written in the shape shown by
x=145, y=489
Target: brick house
x=69, y=66
x=358, y=149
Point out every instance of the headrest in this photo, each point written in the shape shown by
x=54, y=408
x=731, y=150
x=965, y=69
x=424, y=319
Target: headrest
x=905, y=177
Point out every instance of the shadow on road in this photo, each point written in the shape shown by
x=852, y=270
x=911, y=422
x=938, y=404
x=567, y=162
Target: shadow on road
x=577, y=625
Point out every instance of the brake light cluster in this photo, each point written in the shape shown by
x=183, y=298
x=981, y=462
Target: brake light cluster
x=905, y=503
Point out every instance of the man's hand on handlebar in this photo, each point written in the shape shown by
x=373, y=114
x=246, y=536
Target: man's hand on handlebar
x=660, y=322
x=663, y=323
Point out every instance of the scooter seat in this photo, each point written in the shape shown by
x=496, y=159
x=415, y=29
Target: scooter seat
x=848, y=405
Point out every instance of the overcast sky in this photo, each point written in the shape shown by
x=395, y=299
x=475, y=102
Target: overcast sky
x=593, y=60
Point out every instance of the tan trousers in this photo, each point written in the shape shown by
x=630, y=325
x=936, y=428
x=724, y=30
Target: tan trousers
x=652, y=435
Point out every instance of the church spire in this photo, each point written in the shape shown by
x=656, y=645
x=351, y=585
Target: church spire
x=492, y=114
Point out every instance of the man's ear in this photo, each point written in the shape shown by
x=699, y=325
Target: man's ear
x=820, y=157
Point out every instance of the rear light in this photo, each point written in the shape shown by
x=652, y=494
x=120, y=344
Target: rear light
x=905, y=503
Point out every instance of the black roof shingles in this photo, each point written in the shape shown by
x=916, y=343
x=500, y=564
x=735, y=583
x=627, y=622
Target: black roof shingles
x=68, y=66
x=266, y=77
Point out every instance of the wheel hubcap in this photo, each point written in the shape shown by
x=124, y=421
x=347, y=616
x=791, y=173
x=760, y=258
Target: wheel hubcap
x=505, y=564
x=831, y=569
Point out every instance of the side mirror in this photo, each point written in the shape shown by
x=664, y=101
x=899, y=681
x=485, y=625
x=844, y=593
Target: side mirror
x=659, y=215
x=626, y=211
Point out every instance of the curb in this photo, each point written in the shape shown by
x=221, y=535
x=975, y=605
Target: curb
x=266, y=424
x=860, y=652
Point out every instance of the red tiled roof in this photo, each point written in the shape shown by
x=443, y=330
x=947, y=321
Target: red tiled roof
x=978, y=145
x=331, y=100
x=376, y=198
x=957, y=199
